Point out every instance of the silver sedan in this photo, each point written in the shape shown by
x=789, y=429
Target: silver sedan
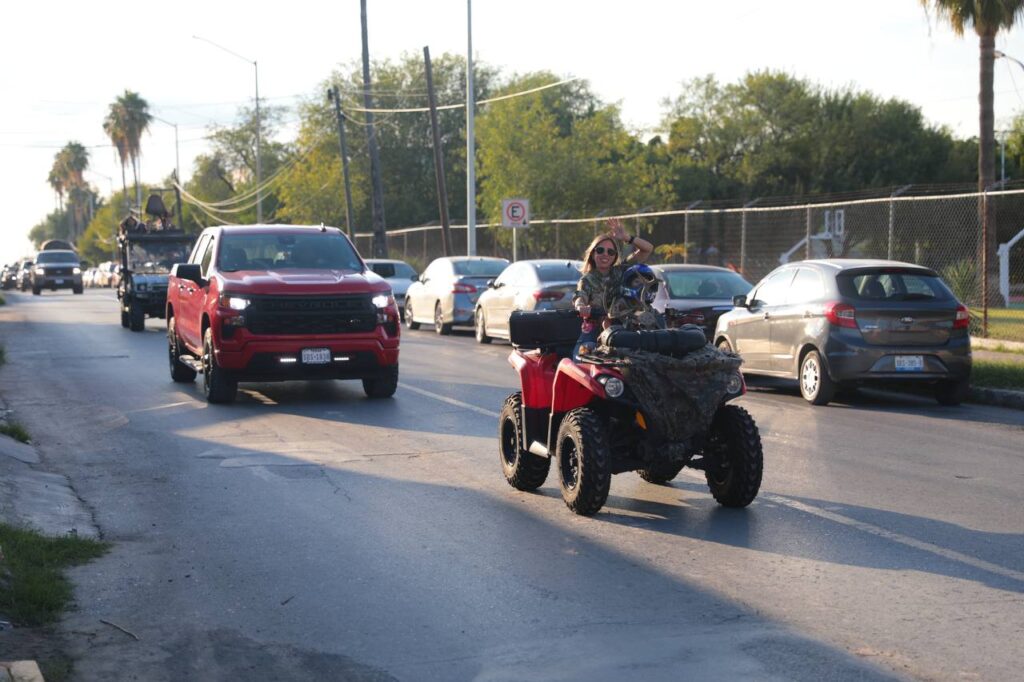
x=545, y=284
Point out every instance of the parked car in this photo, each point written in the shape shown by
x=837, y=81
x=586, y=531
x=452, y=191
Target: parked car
x=278, y=303
x=56, y=269
x=545, y=284
x=89, y=277
x=699, y=294
x=447, y=291
x=399, y=274
x=25, y=274
x=9, y=276
x=836, y=322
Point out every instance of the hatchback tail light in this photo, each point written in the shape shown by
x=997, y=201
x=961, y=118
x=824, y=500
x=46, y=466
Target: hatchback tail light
x=461, y=288
x=541, y=295
x=841, y=315
x=963, y=317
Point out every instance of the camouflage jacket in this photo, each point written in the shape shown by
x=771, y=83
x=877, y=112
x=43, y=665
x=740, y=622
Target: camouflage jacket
x=606, y=292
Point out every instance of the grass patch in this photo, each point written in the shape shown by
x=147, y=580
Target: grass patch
x=15, y=431
x=998, y=374
x=33, y=589
x=1005, y=324
x=3, y=355
x=3, y=301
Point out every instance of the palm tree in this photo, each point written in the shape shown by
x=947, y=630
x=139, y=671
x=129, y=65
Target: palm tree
x=987, y=17
x=127, y=120
x=66, y=175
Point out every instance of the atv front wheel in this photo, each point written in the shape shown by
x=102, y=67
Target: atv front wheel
x=733, y=459
x=584, y=470
x=523, y=470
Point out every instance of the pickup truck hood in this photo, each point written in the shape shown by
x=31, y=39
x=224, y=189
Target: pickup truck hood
x=284, y=282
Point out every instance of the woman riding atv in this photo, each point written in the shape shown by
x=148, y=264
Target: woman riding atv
x=603, y=284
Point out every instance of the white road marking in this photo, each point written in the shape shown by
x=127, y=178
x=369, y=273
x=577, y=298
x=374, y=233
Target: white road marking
x=450, y=401
x=162, y=407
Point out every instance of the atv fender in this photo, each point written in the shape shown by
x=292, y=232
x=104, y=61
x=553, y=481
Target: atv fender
x=575, y=386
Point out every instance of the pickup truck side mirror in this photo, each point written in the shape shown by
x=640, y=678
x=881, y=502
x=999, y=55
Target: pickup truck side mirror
x=740, y=301
x=190, y=271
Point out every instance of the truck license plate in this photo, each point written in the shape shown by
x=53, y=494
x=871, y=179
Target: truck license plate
x=60, y=281
x=909, y=363
x=316, y=356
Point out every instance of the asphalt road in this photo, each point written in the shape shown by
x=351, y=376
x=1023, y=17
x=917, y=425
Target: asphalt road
x=309, y=533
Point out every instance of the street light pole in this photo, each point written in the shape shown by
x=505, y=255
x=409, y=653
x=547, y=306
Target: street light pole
x=470, y=141
x=177, y=156
x=259, y=164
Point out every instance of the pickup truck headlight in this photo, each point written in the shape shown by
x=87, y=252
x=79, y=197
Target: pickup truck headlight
x=233, y=302
x=40, y=271
x=381, y=300
x=76, y=271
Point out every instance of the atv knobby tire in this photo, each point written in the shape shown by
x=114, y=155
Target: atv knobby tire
x=584, y=470
x=660, y=473
x=733, y=457
x=523, y=470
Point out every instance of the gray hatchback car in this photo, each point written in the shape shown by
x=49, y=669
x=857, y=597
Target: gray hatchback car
x=835, y=322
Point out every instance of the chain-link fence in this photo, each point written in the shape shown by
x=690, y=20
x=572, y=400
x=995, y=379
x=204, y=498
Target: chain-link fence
x=942, y=232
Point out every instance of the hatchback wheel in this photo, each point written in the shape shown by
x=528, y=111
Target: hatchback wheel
x=440, y=326
x=481, y=327
x=409, y=322
x=816, y=386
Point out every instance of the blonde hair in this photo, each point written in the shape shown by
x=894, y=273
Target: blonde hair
x=588, y=254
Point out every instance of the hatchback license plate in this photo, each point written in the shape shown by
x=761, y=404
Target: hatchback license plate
x=909, y=363
x=316, y=356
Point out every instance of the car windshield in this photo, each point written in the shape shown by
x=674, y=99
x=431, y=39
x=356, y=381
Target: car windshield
x=892, y=285
x=276, y=251
x=480, y=268
x=705, y=284
x=155, y=257
x=563, y=271
x=386, y=270
x=56, y=257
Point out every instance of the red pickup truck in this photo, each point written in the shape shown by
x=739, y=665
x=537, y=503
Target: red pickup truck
x=276, y=303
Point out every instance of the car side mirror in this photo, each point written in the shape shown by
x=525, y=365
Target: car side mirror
x=491, y=284
x=740, y=301
x=414, y=278
x=190, y=271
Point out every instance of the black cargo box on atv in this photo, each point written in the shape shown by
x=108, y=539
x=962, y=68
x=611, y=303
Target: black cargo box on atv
x=544, y=328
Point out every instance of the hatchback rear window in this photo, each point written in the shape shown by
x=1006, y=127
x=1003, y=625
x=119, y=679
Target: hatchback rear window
x=892, y=285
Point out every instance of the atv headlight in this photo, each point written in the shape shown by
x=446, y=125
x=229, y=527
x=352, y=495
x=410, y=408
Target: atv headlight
x=735, y=384
x=613, y=386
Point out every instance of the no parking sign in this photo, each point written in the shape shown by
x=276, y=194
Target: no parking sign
x=515, y=212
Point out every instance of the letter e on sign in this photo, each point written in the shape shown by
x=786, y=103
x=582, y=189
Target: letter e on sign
x=515, y=212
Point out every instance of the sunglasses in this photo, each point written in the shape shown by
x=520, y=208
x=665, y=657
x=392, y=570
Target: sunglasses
x=600, y=251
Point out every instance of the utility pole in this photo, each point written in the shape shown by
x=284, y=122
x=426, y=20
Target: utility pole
x=442, y=190
x=259, y=160
x=380, y=242
x=470, y=140
x=333, y=94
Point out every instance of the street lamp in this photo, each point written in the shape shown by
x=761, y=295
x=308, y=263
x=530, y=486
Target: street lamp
x=177, y=163
x=259, y=167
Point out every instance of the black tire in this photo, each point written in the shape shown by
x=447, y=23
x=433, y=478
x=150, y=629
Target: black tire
x=440, y=326
x=383, y=386
x=481, y=327
x=660, y=473
x=952, y=393
x=523, y=470
x=125, y=320
x=733, y=458
x=816, y=386
x=180, y=372
x=136, y=318
x=582, y=452
x=36, y=291
x=218, y=384
x=77, y=290
x=409, y=322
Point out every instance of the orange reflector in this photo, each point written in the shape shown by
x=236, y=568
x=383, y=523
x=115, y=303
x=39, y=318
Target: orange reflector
x=641, y=421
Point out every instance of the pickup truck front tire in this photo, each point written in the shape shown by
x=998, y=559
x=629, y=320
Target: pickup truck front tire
x=218, y=384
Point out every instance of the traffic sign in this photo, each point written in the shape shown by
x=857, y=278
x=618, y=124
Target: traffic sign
x=515, y=212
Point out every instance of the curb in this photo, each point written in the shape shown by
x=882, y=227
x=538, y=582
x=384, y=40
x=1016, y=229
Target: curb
x=20, y=671
x=997, y=396
x=993, y=344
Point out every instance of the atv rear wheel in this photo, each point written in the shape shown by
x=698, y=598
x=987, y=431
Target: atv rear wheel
x=733, y=458
x=584, y=470
x=523, y=470
x=660, y=473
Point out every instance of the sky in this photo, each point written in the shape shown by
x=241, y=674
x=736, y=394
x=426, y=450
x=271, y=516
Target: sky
x=62, y=63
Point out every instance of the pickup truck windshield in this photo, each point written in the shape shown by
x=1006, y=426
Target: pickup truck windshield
x=316, y=251
x=56, y=257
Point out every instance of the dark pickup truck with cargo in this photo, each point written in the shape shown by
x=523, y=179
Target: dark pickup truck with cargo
x=276, y=303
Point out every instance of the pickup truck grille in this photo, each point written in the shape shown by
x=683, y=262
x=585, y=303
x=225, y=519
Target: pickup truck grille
x=51, y=272
x=304, y=315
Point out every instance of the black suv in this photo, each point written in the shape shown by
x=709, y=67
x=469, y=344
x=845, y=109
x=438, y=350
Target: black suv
x=56, y=269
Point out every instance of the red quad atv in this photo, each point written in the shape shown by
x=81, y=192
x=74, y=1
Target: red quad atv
x=645, y=401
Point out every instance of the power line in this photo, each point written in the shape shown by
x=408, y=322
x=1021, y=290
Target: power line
x=462, y=106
